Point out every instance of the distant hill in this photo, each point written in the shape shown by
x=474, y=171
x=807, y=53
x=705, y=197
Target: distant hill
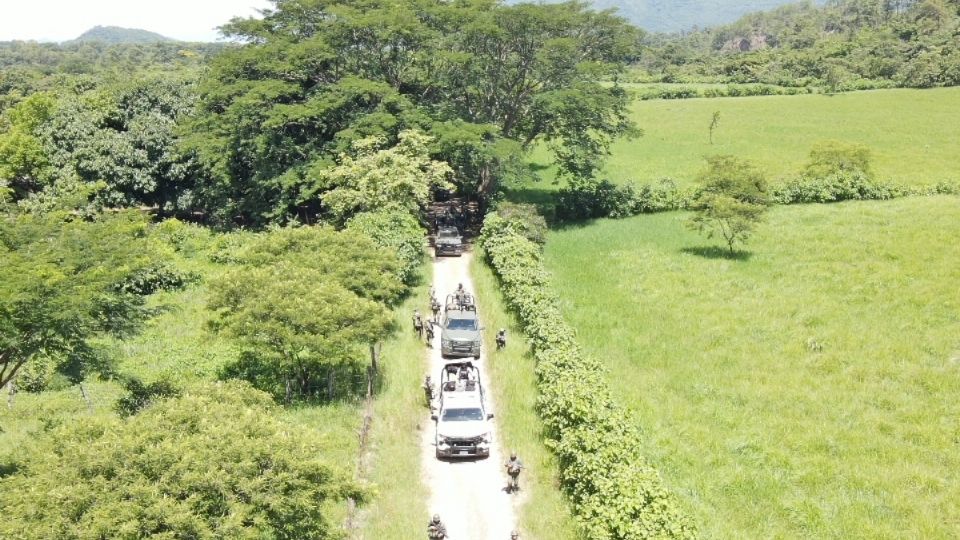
x=677, y=15
x=116, y=34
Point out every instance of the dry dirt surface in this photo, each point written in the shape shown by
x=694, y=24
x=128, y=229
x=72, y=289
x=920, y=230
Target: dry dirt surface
x=468, y=494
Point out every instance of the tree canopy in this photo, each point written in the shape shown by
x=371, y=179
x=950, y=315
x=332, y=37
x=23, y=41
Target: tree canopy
x=731, y=200
x=216, y=462
x=485, y=79
x=62, y=282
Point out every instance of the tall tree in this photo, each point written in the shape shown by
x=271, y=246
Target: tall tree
x=314, y=77
x=62, y=283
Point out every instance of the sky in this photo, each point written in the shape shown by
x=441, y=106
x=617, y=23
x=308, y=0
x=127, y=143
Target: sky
x=61, y=20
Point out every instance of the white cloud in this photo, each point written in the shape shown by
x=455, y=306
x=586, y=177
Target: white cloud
x=60, y=20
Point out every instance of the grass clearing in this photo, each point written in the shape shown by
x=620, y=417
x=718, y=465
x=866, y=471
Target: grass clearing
x=399, y=510
x=914, y=135
x=545, y=513
x=806, y=391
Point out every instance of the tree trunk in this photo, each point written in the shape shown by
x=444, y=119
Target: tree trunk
x=288, y=391
x=375, y=356
x=86, y=398
x=330, y=375
x=12, y=391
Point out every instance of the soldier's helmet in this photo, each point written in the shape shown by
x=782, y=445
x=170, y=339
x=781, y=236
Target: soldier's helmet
x=503, y=331
x=513, y=455
x=514, y=535
x=436, y=518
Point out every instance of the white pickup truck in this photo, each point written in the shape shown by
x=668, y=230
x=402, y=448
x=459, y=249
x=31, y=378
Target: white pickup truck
x=463, y=427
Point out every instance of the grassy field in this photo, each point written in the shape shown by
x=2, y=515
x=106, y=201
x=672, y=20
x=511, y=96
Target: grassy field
x=544, y=514
x=399, y=510
x=914, y=134
x=808, y=390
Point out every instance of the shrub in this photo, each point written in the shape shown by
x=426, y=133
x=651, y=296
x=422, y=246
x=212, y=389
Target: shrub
x=140, y=395
x=835, y=187
x=835, y=157
x=617, y=495
x=525, y=220
x=157, y=277
x=396, y=230
x=217, y=462
x=182, y=237
x=731, y=201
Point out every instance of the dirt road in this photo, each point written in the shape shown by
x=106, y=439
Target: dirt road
x=468, y=495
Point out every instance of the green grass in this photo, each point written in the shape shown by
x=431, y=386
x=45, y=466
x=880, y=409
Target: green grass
x=806, y=391
x=914, y=134
x=545, y=514
x=399, y=510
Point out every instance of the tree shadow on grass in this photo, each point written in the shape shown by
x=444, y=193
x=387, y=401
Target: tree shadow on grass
x=716, y=252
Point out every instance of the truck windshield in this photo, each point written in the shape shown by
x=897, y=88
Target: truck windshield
x=449, y=234
x=462, y=324
x=462, y=415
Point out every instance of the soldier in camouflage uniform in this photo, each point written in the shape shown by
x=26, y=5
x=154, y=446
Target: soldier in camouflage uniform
x=501, y=338
x=429, y=331
x=435, y=529
x=428, y=389
x=417, y=322
x=514, y=466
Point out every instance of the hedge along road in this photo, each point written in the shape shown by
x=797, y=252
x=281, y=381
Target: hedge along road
x=468, y=494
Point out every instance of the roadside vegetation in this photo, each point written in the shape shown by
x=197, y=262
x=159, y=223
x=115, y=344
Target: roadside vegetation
x=801, y=389
x=210, y=253
x=544, y=513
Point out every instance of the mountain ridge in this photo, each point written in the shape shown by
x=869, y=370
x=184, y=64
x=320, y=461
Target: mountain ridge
x=117, y=34
x=681, y=15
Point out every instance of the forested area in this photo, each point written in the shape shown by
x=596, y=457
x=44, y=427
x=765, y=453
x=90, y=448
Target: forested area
x=281, y=181
x=218, y=238
x=842, y=45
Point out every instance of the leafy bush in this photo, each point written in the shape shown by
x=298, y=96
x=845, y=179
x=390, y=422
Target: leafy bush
x=140, y=395
x=836, y=187
x=397, y=230
x=833, y=157
x=525, y=220
x=228, y=248
x=591, y=199
x=182, y=237
x=154, y=278
x=617, y=495
x=217, y=462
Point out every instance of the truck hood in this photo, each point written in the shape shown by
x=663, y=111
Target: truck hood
x=449, y=241
x=461, y=335
x=463, y=430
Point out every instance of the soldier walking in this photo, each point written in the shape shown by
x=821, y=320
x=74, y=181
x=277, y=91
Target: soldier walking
x=435, y=307
x=514, y=466
x=436, y=529
x=501, y=338
x=429, y=331
x=428, y=390
x=417, y=322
